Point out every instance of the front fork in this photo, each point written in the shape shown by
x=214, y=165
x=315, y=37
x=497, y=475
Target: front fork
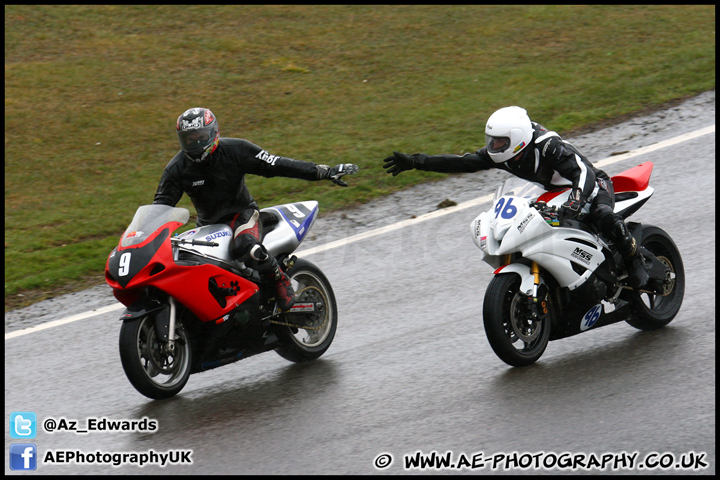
x=538, y=306
x=536, y=294
x=165, y=327
x=165, y=319
x=171, y=325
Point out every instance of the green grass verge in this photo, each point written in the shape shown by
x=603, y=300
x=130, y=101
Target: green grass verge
x=92, y=94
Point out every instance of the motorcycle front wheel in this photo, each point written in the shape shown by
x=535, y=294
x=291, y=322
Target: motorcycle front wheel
x=515, y=336
x=154, y=370
x=651, y=311
x=315, y=331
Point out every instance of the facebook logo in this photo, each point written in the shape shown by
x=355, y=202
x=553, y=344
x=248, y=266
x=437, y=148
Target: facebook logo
x=23, y=424
x=23, y=456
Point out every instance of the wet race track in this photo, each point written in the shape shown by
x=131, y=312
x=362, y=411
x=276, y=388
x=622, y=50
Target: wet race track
x=410, y=369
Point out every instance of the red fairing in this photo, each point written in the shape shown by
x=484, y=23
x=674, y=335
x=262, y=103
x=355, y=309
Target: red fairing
x=188, y=284
x=636, y=179
x=547, y=196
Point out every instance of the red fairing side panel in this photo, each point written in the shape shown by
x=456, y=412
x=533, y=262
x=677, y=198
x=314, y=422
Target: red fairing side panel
x=188, y=284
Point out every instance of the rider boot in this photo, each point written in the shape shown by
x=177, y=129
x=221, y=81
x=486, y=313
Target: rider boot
x=269, y=268
x=284, y=292
x=634, y=261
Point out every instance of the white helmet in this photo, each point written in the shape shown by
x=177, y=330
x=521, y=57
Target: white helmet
x=507, y=132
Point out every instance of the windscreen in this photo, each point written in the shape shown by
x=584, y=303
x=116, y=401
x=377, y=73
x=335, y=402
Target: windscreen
x=519, y=188
x=149, y=218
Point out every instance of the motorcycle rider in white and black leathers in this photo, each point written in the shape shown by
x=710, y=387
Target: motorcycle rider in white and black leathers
x=211, y=171
x=528, y=150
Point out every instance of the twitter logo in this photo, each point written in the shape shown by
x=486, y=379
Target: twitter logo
x=23, y=425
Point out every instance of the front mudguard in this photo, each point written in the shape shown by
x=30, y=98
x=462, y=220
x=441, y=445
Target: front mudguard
x=527, y=283
x=145, y=306
x=527, y=280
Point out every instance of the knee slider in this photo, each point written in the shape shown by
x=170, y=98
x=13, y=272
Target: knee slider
x=620, y=230
x=242, y=244
x=625, y=242
x=604, y=218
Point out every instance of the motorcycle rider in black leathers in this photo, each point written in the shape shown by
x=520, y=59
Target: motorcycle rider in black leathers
x=528, y=150
x=211, y=171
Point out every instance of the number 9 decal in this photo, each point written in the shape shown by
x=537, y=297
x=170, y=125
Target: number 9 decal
x=124, y=264
x=295, y=211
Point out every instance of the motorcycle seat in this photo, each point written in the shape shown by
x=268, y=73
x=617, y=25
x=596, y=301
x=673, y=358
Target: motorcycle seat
x=636, y=179
x=268, y=221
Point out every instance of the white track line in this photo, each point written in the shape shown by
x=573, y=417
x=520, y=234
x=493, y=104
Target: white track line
x=63, y=321
x=391, y=228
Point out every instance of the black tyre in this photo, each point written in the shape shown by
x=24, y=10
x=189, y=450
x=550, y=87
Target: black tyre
x=514, y=336
x=313, y=338
x=650, y=311
x=151, y=369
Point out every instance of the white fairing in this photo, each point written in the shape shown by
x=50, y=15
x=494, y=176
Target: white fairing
x=294, y=220
x=284, y=226
x=220, y=234
x=645, y=194
x=512, y=225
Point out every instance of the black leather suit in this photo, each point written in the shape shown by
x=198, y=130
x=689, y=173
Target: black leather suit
x=554, y=163
x=217, y=187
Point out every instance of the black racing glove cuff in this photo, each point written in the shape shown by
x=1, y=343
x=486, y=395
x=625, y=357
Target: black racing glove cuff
x=400, y=162
x=573, y=205
x=334, y=174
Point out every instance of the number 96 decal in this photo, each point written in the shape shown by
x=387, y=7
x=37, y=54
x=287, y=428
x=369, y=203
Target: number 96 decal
x=591, y=317
x=505, y=208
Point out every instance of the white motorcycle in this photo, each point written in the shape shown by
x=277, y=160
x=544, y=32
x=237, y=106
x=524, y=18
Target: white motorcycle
x=557, y=277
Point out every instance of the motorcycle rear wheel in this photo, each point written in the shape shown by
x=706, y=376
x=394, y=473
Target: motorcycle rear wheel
x=650, y=312
x=514, y=336
x=311, y=285
x=155, y=373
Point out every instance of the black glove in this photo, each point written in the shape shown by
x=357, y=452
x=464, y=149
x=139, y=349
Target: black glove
x=571, y=208
x=399, y=162
x=335, y=173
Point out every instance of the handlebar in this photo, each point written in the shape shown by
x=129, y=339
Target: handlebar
x=194, y=242
x=543, y=207
x=551, y=215
x=555, y=217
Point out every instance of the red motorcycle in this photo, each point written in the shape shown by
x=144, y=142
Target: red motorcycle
x=191, y=308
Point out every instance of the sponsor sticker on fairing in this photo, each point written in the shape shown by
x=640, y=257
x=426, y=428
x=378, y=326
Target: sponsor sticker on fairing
x=217, y=234
x=524, y=222
x=582, y=255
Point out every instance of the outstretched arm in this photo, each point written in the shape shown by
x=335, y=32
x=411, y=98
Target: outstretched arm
x=470, y=162
x=262, y=163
